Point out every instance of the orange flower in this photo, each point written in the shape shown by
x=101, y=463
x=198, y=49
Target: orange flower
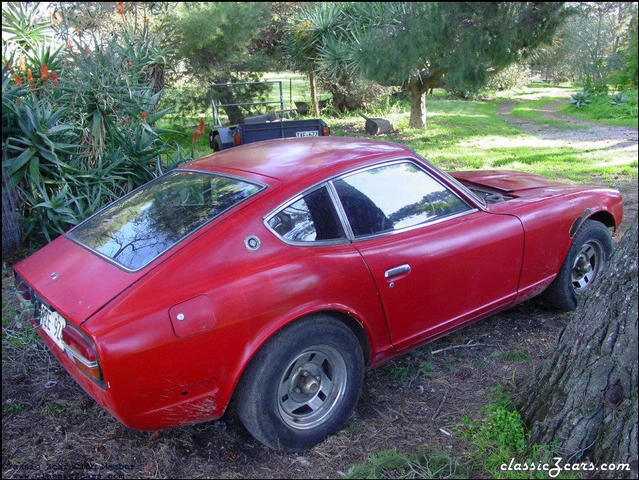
x=69, y=44
x=18, y=80
x=44, y=72
x=54, y=83
x=201, y=129
x=21, y=64
x=120, y=8
x=196, y=136
x=144, y=116
x=30, y=78
x=54, y=76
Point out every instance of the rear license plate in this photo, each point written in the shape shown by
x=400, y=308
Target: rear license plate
x=52, y=323
x=308, y=133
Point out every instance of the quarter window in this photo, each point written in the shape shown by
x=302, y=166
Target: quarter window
x=312, y=218
x=393, y=197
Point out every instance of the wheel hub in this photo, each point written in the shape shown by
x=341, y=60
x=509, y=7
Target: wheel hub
x=586, y=266
x=311, y=387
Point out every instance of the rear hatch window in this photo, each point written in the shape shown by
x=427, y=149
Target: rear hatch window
x=138, y=228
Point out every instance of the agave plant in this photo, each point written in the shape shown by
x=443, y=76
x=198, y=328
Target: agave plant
x=76, y=140
x=618, y=99
x=580, y=99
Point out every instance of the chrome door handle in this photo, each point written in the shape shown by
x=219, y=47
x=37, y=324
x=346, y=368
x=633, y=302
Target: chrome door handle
x=391, y=272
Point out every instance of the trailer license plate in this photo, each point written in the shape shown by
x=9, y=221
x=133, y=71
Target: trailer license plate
x=52, y=323
x=308, y=133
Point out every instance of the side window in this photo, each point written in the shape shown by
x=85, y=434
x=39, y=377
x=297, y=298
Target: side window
x=310, y=219
x=392, y=197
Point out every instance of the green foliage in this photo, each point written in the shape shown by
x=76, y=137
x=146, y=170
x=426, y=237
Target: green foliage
x=618, y=99
x=513, y=76
x=628, y=75
x=22, y=26
x=71, y=150
x=216, y=36
x=439, y=42
x=580, y=99
x=394, y=464
x=499, y=436
x=620, y=109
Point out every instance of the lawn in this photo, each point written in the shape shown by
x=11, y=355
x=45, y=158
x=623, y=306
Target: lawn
x=464, y=134
x=602, y=110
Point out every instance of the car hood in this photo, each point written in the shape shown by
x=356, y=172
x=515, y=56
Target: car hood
x=73, y=280
x=507, y=181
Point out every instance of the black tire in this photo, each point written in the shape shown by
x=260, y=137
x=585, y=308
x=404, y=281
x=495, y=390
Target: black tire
x=217, y=143
x=586, y=260
x=316, y=362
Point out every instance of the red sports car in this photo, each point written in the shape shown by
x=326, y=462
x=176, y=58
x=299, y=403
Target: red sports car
x=272, y=275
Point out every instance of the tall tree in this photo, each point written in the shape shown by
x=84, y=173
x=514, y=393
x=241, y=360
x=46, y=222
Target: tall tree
x=425, y=45
x=308, y=32
x=213, y=42
x=584, y=397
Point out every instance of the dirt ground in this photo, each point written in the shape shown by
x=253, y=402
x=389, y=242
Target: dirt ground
x=52, y=429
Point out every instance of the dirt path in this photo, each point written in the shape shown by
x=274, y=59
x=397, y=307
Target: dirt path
x=590, y=137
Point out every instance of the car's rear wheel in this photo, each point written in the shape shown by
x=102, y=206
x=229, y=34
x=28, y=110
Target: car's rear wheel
x=302, y=385
x=585, y=261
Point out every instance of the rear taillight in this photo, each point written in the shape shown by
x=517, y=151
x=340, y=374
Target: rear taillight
x=326, y=131
x=237, y=139
x=81, y=351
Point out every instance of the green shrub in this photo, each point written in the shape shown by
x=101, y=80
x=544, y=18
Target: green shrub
x=79, y=125
x=580, y=99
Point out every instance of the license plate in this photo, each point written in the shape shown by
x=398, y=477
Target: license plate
x=52, y=323
x=308, y=133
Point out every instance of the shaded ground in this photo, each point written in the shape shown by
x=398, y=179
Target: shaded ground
x=51, y=428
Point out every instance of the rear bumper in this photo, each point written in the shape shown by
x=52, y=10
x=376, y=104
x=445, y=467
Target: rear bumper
x=193, y=407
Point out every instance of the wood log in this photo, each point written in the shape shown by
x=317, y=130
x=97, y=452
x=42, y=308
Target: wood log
x=375, y=126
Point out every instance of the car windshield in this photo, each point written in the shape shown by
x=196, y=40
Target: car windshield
x=138, y=228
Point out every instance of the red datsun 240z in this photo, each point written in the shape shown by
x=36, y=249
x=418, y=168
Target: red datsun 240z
x=272, y=275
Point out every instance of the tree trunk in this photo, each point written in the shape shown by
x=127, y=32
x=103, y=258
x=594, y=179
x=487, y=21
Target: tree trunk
x=226, y=96
x=312, y=83
x=585, y=396
x=11, y=226
x=417, y=104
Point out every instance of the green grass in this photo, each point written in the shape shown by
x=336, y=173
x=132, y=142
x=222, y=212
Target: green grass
x=295, y=87
x=472, y=135
x=464, y=135
x=601, y=110
x=499, y=436
x=531, y=111
x=394, y=464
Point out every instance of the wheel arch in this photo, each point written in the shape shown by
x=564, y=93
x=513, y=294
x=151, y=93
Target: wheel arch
x=355, y=324
x=602, y=216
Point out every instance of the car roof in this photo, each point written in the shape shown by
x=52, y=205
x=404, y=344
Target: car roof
x=294, y=159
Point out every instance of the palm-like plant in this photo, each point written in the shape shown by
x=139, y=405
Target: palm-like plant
x=580, y=99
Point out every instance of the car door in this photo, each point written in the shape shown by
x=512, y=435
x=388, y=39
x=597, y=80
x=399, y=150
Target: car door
x=437, y=260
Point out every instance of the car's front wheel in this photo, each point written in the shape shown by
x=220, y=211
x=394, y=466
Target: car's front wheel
x=302, y=385
x=585, y=261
